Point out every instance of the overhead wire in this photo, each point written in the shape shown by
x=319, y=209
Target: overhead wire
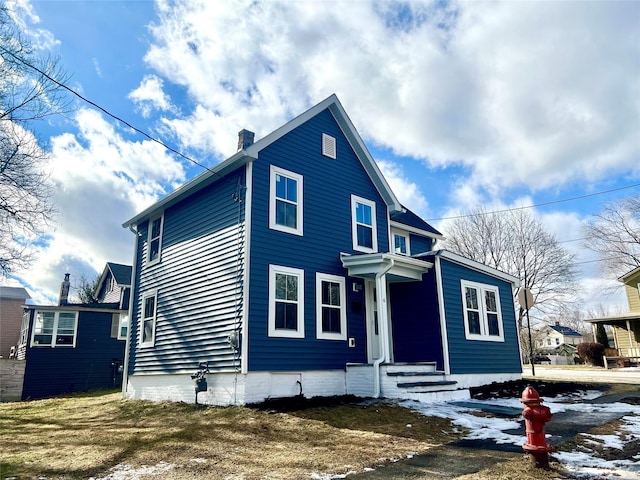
x=543, y=204
x=104, y=110
x=195, y=162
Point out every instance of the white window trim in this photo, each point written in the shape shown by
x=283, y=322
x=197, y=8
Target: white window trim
x=320, y=277
x=272, y=331
x=152, y=342
x=54, y=333
x=393, y=241
x=354, y=225
x=329, y=146
x=124, y=321
x=484, y=322
x=272, y=200
x=149, y=239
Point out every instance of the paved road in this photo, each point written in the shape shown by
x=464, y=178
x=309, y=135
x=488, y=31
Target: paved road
x=585, y=375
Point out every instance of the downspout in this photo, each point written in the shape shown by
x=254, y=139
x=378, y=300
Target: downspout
x=381, y=286
x=443, y=318
x=125, y=371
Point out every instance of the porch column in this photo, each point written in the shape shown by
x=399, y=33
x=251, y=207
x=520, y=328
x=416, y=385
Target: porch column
x=383, y=315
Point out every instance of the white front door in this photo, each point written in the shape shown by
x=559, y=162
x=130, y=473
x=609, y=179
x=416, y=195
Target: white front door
x=373, y=326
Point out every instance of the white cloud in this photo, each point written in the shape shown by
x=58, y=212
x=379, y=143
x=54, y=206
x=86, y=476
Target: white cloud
x=408, y=192
x=149, y=96
x=101, y=179
x=514, y=91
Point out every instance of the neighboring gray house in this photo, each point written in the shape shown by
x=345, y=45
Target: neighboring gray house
x=12, y=300
x=114, y=285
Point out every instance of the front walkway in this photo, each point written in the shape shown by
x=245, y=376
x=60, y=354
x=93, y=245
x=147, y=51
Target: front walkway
x=583, y=374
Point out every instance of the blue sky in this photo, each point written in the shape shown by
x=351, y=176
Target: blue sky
x=499, y=104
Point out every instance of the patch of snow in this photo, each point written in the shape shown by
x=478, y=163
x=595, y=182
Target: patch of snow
x=127, y=472
x=582, y=464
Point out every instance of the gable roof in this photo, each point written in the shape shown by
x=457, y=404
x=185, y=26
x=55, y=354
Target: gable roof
x=471, y=264
x=629, y=275
x=406, y=218
x=251, y=153
x=121, y=273
x=566, y=331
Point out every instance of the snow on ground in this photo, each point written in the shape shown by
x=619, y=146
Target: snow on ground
x=584, y=463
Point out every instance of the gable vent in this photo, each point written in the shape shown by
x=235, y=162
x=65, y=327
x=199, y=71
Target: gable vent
x=328, y=146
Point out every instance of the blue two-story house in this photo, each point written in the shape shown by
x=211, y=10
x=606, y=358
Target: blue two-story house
x=292, y=268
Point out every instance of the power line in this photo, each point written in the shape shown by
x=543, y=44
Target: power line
x=544, y=204
x=141, y=132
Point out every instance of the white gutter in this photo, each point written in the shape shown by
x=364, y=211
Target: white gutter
x=125, y=371
x=381, y=287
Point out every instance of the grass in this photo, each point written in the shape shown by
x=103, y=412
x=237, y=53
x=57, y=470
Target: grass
x=86, y=435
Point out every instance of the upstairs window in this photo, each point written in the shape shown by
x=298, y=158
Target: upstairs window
x=363, y=225
x=54, y=329
x=331, y=312
x=148, y=323
x=155, y=239
x=286, y=302
x=400, y=243
x=123, y=327
x=482, y=315
x=285, y=201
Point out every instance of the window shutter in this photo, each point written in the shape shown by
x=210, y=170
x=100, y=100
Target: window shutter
x=328, y=146
x=115, y=324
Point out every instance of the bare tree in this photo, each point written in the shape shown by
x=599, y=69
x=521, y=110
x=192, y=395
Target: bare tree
x=87, y=289
x=516, y=243
x=29, y=90
x=614, y=234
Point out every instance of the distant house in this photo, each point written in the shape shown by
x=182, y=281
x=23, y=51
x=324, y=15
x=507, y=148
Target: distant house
x=11, y=301
x=71, y=347
x=292, y=268
x=552, y=336
x=114, y=285
x=625, y=327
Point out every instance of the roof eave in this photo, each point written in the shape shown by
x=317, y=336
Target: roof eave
x=195, y=184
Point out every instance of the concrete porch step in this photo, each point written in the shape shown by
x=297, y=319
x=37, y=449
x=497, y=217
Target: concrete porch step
x=437, y=383
x=414, y=374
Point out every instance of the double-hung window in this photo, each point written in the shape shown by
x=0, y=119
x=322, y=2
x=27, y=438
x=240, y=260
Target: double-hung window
x=285, y=201
x=331, y=312
x=482, y=314
x=286, y=302
x=154, y=244
x=363, y=225
x=148, y=322
x=54, y=329
x=400, y=243
x=123, y=327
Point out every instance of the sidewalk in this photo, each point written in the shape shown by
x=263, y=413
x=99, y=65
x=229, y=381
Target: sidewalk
x=583, y=374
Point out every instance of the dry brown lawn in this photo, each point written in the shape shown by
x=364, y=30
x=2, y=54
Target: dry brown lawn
x=87, y=435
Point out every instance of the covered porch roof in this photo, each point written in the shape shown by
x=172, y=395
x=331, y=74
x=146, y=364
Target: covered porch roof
x=398, y=268
x=616, y=319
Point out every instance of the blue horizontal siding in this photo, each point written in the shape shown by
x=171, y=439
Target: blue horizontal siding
x=476, y=356
x=328, y=185
x=54, y=371
x=198, y=280
x=415, y=320
x=420, y=244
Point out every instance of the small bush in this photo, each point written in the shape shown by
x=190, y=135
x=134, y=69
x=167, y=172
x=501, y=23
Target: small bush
x=592, y=353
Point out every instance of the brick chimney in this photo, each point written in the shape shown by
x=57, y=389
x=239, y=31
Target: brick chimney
x=245, y=139
x=64, y=291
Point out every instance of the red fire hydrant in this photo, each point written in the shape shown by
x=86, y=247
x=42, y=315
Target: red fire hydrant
x=535, y=416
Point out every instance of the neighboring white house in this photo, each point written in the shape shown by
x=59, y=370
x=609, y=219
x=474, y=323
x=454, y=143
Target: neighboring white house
x=552, y=336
